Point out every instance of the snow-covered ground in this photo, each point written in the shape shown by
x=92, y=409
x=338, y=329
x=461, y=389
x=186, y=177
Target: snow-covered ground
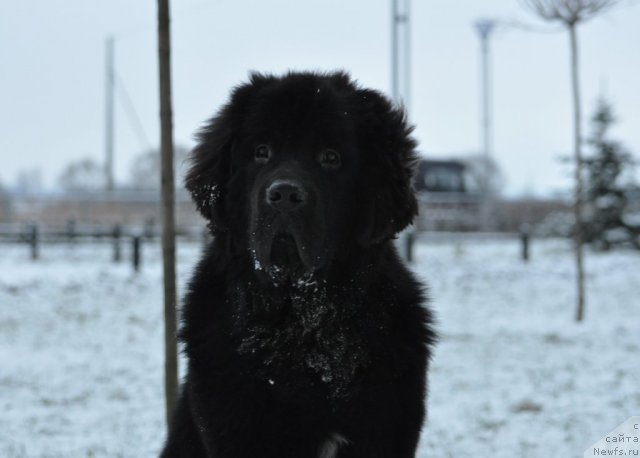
x=513, y=376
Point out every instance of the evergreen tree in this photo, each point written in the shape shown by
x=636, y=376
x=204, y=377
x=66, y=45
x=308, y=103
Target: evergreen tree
x=606, y=192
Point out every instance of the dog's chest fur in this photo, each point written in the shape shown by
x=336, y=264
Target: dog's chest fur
x=331, y=446
x=306, y=331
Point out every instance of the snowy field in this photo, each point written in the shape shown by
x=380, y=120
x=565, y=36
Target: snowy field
x=513, y=376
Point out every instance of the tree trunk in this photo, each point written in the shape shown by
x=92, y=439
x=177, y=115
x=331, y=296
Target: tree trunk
x=577, y=145
x=168, y=222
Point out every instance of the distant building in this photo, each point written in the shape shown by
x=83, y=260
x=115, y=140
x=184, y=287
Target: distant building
x=448, y=196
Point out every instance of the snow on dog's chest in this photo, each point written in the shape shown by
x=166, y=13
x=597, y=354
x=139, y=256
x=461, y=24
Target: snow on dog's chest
x=308, y=330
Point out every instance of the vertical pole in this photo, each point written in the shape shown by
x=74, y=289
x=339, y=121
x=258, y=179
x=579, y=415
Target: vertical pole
x=168, y=210
x=484, y=28
x=109, y=112
x=409, y=239
x=577, y=206
x=484, y=40
x=401, y=52
x=406, y=96
x=136, y=252
x=71, y=231
x=525, y=237
x=401, y=82
x=486, y=113
x=117, y=252
x=33, y=241
x=394, y=51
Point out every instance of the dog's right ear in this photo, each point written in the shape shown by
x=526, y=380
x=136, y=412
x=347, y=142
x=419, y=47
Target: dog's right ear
x=210, y=161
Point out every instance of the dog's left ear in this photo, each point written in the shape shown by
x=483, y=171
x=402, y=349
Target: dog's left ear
x=210, y=161
x=387, y=201
x=209, y=169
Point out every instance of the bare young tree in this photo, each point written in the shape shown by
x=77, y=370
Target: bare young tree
x=168, y=211
x=570, y=13
x=146, y=167
x=82, y=175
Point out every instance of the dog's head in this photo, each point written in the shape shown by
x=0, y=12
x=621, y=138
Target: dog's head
x=297, y=169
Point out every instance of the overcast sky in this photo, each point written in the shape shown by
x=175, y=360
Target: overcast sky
x=52, y=75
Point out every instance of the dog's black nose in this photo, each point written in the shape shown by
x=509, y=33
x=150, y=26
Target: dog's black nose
x=286, y=195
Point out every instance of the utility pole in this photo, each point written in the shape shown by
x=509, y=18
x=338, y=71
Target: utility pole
x=168, y=210
x=484, y=27
x=401, y=84
x=109, y=113
x=401, y=52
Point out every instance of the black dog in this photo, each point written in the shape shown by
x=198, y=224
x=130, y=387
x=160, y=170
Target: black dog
x=305, y=334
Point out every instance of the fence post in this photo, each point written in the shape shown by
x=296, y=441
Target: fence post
x=137, y=239
x=149, y=229
x=117, y=252
x=71, y=231
x=32, y=236
x=524, y=239
x=409, y=246
x=206, y=237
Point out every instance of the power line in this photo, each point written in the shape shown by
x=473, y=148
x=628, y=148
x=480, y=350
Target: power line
x=132, y=114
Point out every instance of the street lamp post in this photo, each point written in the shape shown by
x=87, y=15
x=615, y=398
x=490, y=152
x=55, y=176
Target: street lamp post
x=484, y=27
x=401, y=52
x=109, y=113
x=401, y=83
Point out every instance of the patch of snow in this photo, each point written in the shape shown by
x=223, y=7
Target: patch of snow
x=513, y=374
x=632, y=219
x=212, y=193
x=616, y=235
x=607, y=201
x=81, y=350
x=306, y=282
x=256, y=263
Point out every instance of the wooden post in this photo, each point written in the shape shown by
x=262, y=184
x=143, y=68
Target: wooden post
x=117, y=252
x=524, y=239
x=149, y=229
x=168, y=210
x=71, y=231
x=136, y=252
x=409, y=239
x=33, y=241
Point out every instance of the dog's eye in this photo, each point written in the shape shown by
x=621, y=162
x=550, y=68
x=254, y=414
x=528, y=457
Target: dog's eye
x=330, y=159
x=262, y=154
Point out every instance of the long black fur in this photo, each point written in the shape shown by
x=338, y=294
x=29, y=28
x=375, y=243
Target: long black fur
x=336, y=347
